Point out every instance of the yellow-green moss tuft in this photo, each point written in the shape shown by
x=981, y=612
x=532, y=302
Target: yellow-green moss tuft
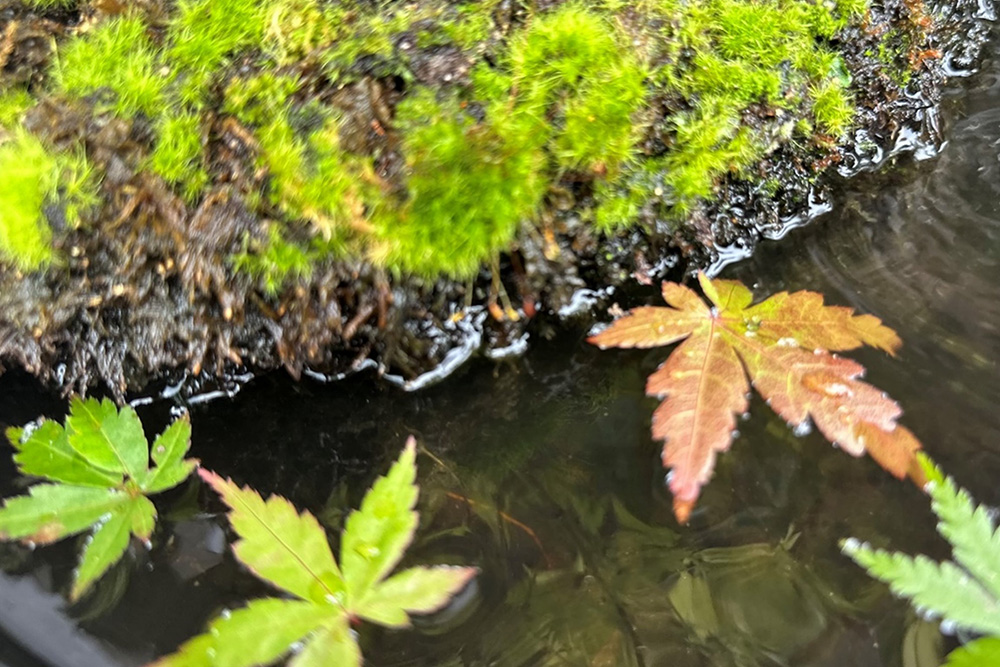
x=471, y=184
x=117, y=57
x=178, y=153
x=32, y=178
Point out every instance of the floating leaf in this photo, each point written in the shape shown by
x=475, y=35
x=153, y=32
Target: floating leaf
x=51, y=512
x=335, y=644
x=46, y=453
x=290, y=550
x=171, y=445
x=100, y=463
x=277, y=543
x=110, y=439
x=376, y=536
x=782, y=346
x=418, y=590
x=964, y=593
x=102, y=549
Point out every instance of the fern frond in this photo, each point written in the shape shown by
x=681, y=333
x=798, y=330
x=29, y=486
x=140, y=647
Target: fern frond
x=942, y=588
x=974, y=540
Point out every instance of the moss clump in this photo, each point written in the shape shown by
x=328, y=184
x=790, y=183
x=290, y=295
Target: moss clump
x=562, y=99
x=565, y=98
x=276, y=262
x=723, y=57
x=471, y=184
x=573, y=73
x=13, y=104
x=32, y=178
x=117, y=57
x=177, y=156
x=204, y=33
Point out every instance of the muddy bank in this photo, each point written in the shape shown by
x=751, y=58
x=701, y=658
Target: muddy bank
x=165, y=273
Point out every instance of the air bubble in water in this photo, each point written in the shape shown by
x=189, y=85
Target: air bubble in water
x=803, y=428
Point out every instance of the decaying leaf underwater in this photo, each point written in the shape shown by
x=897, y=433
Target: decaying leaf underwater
x=783, y=347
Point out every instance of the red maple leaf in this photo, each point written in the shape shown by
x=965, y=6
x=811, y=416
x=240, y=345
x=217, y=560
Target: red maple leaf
x=782, y=346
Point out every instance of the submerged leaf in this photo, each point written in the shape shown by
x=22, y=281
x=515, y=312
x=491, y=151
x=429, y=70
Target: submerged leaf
x=782, y=346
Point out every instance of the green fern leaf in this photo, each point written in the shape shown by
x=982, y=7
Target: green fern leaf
x=965, y=593
x=974, y=541
x=943, y=588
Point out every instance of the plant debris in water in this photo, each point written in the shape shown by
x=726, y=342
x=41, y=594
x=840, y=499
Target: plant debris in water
x=98, y=466
x=290, y=551
x=782, y=347
x=217, y=184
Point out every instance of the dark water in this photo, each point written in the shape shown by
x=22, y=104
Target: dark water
x=540, y=471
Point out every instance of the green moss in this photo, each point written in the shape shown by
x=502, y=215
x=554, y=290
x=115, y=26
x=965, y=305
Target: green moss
x=313, y=179
x=119, y=57
x=572, y=69
x=726, y=56
x=53, y=4
x=30, y=174
x=471, y=185
x=32, y=178
x=275, y=263
x=565, y=96
x=258, y=99
x=13, y=104
x=832, y=107
x=178, y=153
x=204, y=33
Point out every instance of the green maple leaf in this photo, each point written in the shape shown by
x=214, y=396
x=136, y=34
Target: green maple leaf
x=290, y=551
x=780, y=346
x=99, y=468
x=964, y=592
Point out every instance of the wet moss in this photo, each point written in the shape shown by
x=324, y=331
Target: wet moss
x=567, y=95
x=177, y=156
x=470, y=184
x=117, y=58
x=271, y=146
x=33, y=178
x=275, y=263
x=728, y=60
